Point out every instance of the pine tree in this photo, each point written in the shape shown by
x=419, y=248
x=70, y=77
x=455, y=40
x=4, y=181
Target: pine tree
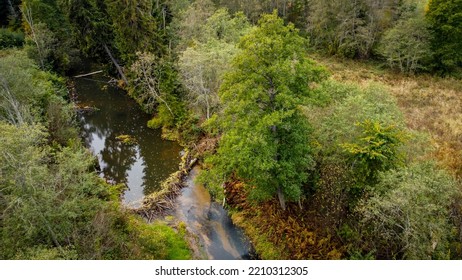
x=445, y=18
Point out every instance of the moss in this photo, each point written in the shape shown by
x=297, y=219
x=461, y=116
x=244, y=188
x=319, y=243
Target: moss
x=159, y=241
x=126, y=139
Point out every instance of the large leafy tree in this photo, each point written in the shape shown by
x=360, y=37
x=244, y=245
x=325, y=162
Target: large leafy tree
x=445, y=18
x=265, y=139
x=407, y=46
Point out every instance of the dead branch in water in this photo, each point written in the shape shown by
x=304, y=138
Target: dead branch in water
x=88, y=74
x=157, y=204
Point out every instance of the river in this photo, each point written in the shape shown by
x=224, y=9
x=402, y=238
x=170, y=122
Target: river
x=143, y=165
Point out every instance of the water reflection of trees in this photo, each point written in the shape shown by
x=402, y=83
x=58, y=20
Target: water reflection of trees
x=118, y=115
x=108, y=121
x=119, y=158
x=160, y=159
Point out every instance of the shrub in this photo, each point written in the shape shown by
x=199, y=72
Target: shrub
x=376, y=150
x=409, y=215
x=10, y=39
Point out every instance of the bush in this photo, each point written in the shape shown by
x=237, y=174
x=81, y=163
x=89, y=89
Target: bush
x=351, y=132
x=10, y=39
x=376, y=150
x=349, y=105
x=409, y=215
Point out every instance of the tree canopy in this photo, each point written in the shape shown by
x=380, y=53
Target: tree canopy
x=445, y=17
x=265, y=139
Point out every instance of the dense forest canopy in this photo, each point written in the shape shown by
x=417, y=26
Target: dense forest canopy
x=312, y=158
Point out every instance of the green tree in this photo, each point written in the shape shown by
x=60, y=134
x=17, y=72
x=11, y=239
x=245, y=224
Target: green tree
x=90, y=25
x=48, y=34
x=353, y=28
x=25, y=91
x=342, y=27
x=265, y=139
x=202, y=65
x=201, y=69
x=223, y=26
x=253, y=9
x=445, y=18
x=152, y=80
x=135, y=27
x=407, y=45
x=190, y=22
x=377, y=150
x=10, y=39
x=155, y=86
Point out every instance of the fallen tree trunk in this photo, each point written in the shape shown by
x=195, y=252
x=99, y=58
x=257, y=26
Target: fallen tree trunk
x=159, y=203
x=114, y=61
x=88, y=74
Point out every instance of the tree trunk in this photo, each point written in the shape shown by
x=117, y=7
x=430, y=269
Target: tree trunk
x=152, y=89
x=119, y=69
x=88, y=74
x=282, y=199
x=208, y=106
x=30, y=21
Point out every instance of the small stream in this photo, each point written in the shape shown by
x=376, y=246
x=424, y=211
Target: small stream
x=145, y=164
x=210, y=222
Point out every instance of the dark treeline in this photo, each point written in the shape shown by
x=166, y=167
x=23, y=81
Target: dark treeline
x=312, y=167
x=410, y=35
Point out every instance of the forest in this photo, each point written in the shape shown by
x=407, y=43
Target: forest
x=328, y=129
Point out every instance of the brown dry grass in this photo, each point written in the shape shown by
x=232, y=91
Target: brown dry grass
x=295, y=233
x=430, y=104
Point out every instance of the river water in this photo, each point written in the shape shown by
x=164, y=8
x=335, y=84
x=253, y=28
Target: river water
x=144, y=165
x=218, y=236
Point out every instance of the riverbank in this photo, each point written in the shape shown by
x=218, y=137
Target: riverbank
x=54, y=204
x=160, y=204
x=174, y=201
x=210, y=232
x=108, y=116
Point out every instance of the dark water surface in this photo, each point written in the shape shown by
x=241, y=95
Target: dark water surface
x=142, y=166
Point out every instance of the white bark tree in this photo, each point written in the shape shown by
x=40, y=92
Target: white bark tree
x=148, y=72
x=201, y=68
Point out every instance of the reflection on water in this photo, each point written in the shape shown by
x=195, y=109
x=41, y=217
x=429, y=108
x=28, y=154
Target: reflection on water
x=210, y=222
x=142, y=166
